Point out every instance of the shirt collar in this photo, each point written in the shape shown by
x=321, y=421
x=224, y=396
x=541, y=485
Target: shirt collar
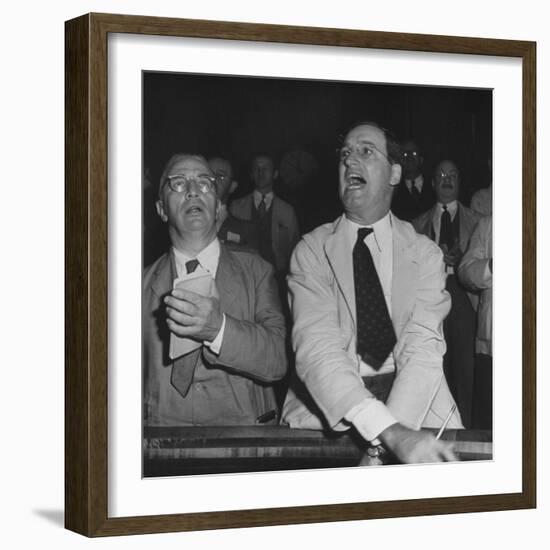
x=418, y=182
x=452, y=207
x=382, y=231
x=258, y=198
x=208, y=257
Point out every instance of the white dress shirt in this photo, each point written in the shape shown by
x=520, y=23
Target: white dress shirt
x=371, y=416
x=208, y=258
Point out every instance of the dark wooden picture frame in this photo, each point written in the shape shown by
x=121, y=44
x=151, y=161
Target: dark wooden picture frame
x=86, y=280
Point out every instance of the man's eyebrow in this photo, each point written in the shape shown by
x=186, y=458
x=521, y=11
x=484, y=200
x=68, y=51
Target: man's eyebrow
x=362, y=142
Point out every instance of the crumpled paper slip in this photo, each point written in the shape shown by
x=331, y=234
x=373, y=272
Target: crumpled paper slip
x=201, y=283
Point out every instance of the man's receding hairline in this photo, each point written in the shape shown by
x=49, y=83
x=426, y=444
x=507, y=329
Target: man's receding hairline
x=449, y=161
x=390, y=139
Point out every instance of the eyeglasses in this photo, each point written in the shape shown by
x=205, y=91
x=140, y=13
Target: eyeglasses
x=453, y=176
x=411, y=154
x=221, y=177
x=180, y=183
x=365, y=151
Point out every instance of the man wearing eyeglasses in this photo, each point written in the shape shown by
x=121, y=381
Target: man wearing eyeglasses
x=213, y=332
x=450, y=224
x=368, y=299
x=413, y=195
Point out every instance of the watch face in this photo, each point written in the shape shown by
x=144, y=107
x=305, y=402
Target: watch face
x=297, y=167
x=373, y=451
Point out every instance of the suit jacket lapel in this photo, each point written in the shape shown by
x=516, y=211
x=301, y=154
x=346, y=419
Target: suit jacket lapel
x=250, y=207
x=275, y=220
x=463, y=229
x=225, y=281
x=403, y=274
x=340, y=257
x=164, y=275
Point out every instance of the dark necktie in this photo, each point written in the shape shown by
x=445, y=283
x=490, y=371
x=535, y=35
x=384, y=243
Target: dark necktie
x=191, y=265
x=375, y=333
x=446, y=229
x=262, y=208
x=183, y=367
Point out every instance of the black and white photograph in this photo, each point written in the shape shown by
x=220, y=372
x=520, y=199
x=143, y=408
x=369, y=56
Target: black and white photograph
x=317, y=274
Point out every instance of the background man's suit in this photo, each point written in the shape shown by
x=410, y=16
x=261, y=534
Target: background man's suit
x=406, y=206
x=467, y=221
x=475, y=273
x=324, y=334
x=284, y=226
x=459, y=326
x=237, y=231
x=232, y=388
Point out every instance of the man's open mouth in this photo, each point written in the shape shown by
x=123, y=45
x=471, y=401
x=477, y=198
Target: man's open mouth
x=355, y=181
x=194, y=209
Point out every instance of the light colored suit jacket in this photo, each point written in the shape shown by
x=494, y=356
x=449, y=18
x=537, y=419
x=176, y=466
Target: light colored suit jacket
x=467, y=222
x=284, y=226
x=235, y=385
x=475, y=274
x=322, y=297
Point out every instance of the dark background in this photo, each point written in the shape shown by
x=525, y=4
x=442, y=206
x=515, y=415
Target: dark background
x=237, y=116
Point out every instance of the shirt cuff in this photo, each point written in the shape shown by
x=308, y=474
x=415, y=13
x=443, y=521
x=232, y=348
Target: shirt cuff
x=370, y=418
x=216, y=344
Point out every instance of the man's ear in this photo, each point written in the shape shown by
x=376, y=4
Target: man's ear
x=395, y=176
x=160, y=211
x=233, y=188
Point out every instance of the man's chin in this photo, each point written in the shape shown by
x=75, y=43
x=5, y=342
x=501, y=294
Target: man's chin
x=195, y=223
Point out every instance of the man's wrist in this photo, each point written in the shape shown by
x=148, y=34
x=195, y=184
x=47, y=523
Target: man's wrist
x=216, y=343
x=391, y=435
x=370, y=417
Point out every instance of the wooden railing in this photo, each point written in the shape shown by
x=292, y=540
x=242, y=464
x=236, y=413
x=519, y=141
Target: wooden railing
x=172, y=451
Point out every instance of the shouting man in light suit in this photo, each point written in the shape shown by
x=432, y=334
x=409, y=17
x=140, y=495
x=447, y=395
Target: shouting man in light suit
x=213, y=331
x=368, y=299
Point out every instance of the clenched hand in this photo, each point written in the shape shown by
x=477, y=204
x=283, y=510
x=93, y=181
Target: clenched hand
x=190, y=314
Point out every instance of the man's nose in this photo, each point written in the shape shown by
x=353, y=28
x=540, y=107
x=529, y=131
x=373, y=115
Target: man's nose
x=350, y=159
x=192, y=189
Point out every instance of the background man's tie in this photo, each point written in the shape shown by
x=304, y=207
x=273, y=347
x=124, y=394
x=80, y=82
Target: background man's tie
x=446, y=229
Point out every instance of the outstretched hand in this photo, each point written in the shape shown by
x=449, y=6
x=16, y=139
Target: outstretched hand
x=413, y=447
x=190, y=314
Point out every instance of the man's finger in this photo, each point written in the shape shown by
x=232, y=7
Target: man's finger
x=447, y=452
x=181, y=330
x=181, y=318
x=187, y=295
x=181, y=305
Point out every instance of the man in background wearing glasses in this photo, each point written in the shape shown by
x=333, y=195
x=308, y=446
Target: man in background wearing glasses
x=451, y=224
x=413, y=195
x=213, y=332
x=368, y=300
